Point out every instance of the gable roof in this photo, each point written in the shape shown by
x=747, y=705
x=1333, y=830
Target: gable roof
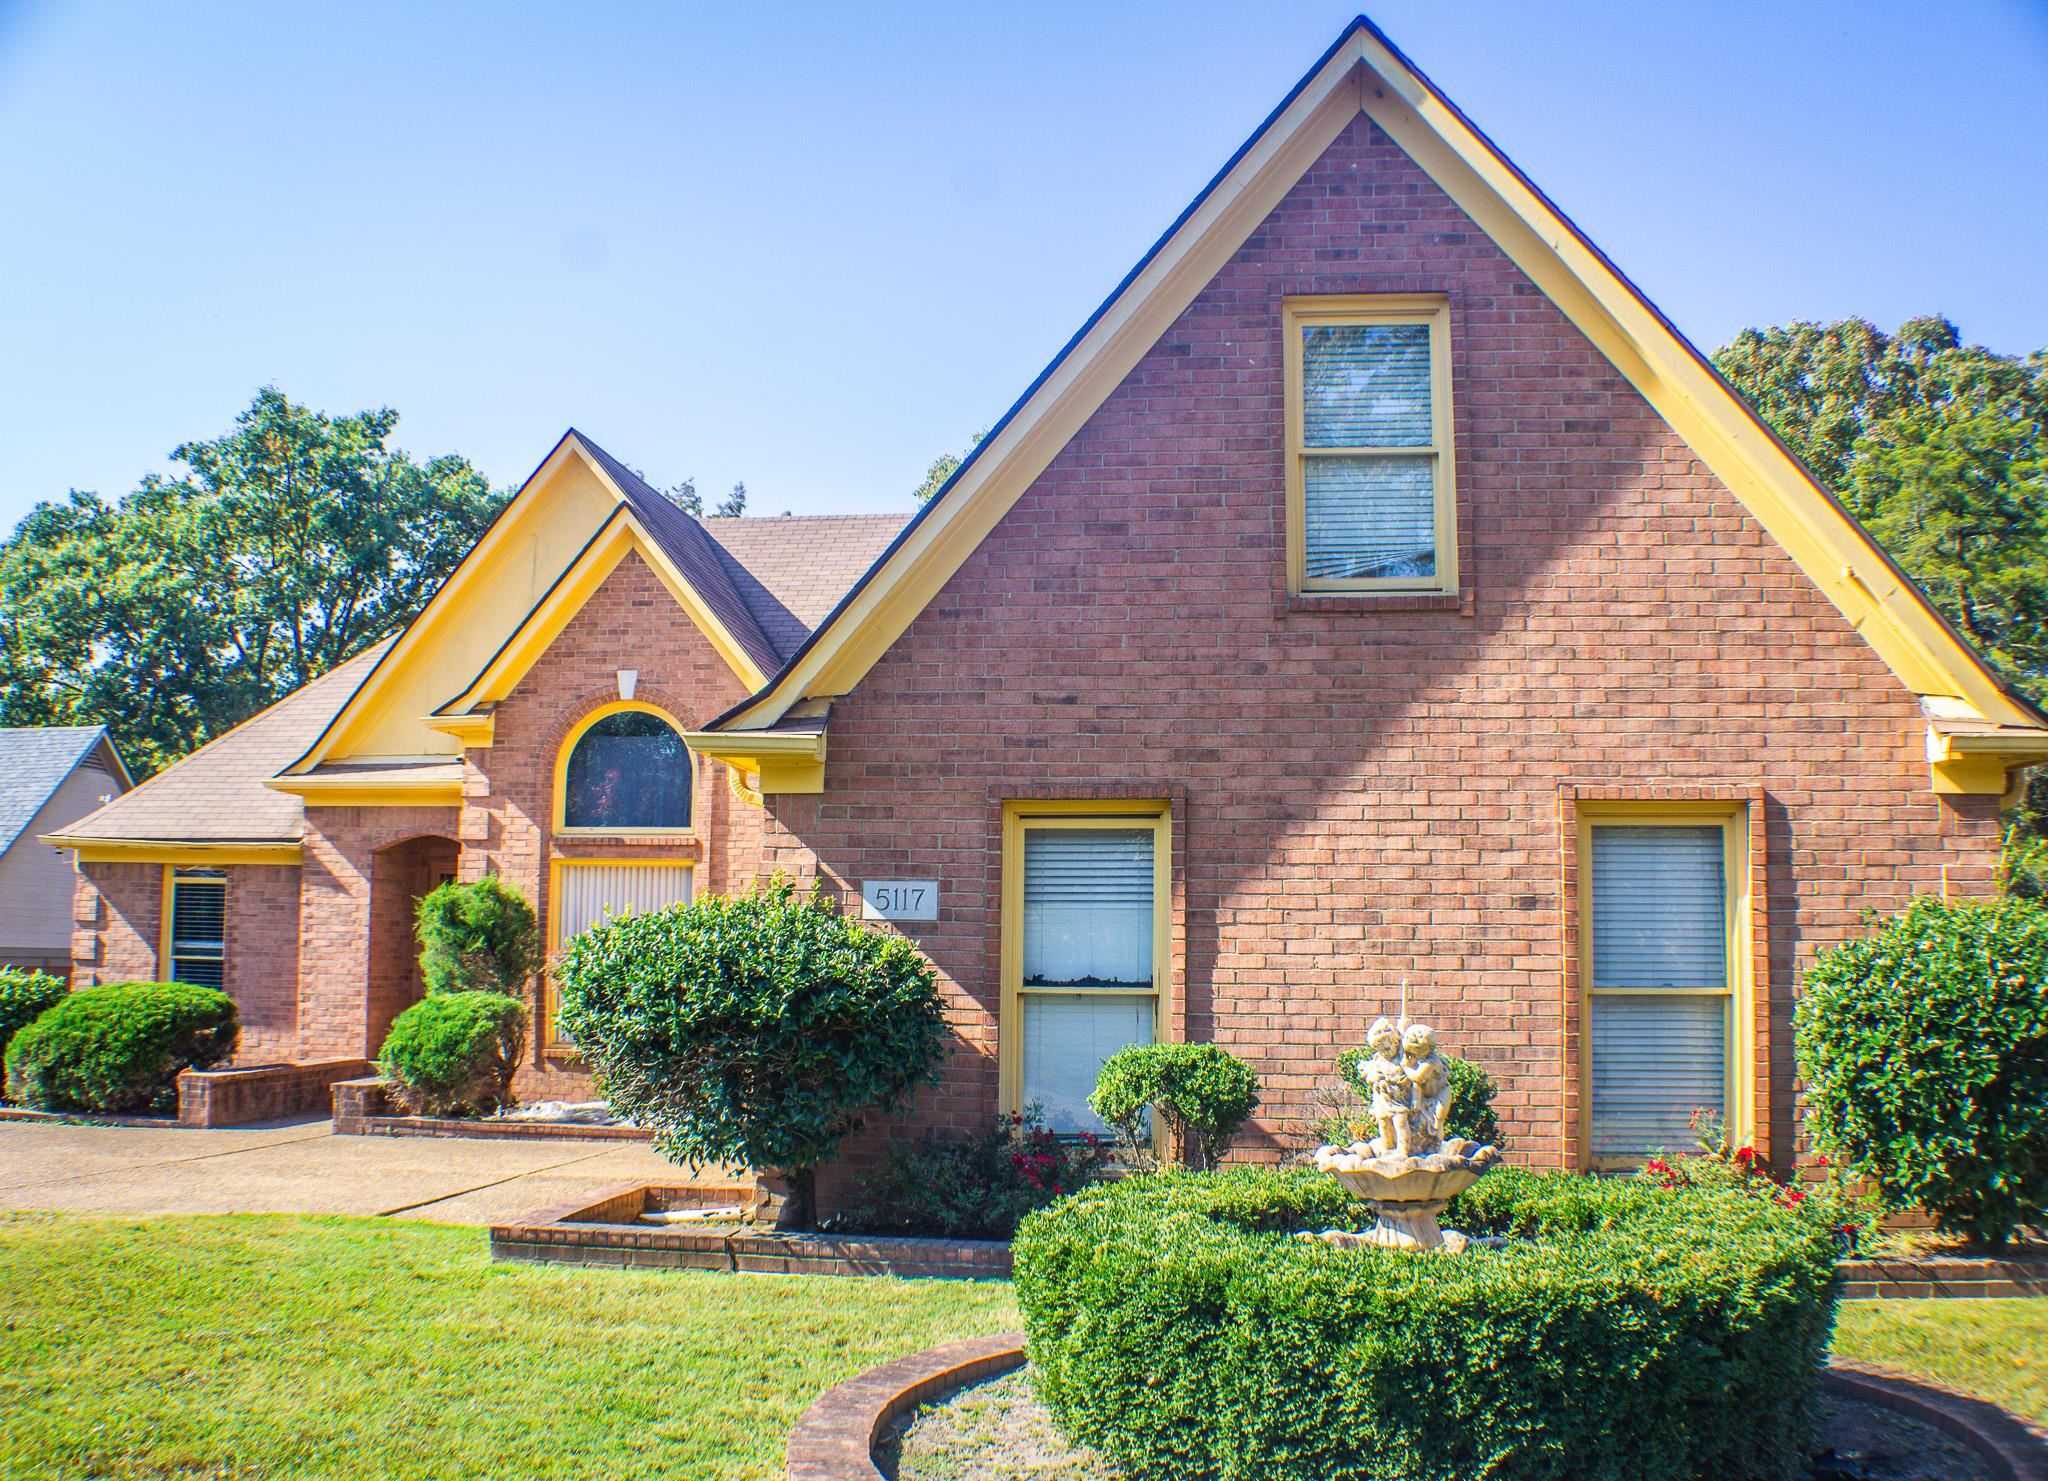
x=792, y=569
x=35, y=760
x=217, y=794
x=1363, y=72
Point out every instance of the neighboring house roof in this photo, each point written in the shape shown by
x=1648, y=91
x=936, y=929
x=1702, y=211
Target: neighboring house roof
x=35, y=760
x=792, y=569
x=217, y=794
x=1363, y=72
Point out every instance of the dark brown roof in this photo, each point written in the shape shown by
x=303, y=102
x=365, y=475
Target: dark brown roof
x=792, y=569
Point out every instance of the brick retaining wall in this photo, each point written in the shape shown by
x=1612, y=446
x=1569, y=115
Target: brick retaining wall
x=362, y=1107
x=260, y=1092
x=1945, y=1275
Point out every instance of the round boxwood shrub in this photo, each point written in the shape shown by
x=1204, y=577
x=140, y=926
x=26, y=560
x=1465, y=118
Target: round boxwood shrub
x=754, y=1029
x=454, y=1053
x=1924, y=1049
x=477, y=937
x=24, y=997
x=1203, y=1093
x=1472, y=1115
x=1625, y=1332
x=120, y=1046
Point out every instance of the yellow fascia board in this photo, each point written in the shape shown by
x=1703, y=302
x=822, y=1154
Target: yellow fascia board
x=1982, y=764
x=781, y=762
x=319, y=791
x=1365, y=75
x=162, y=851
x=476, y=732
x=621, y=534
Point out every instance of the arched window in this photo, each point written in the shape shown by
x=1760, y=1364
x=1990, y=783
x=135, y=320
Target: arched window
x=627, y=770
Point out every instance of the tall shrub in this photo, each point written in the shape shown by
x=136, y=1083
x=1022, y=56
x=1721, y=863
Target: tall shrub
x=756, y=1029
x=1924, y=1048
x=478, y=937
x=1203, y=1093
x=24, y=997
x=454, y=1054
x=120, y=1046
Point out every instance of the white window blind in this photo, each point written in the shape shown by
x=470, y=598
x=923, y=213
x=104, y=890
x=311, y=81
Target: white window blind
x=199, y=931
x=593, y=892
x=1368, y=517
x=1088, y=936
x=1088, y=907
x=1660, y=1013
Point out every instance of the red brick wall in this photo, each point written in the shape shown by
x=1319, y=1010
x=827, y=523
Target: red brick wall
x=118, y=910
x=1371, y=793
x=507, y=824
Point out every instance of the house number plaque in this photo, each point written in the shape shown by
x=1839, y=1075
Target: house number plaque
x=899, y=899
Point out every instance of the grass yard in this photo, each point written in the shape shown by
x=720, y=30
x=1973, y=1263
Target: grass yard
x=1997, y=1350
x=284, y=1346
x=356, y=1348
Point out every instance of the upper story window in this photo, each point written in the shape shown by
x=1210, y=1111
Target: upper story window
x=1370, y=503
x=625, y=771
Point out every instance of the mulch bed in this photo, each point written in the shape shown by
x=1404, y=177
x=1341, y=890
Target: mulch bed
x=998, y=1431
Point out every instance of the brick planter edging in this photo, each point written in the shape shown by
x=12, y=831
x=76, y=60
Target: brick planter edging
x=264, y=1092
x=835, y=1438
x=362, y=1108
x=85, y=1118
x=1945, y=1275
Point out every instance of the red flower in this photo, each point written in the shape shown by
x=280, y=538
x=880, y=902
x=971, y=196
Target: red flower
x=1746, y=1157
x=1791, y=1197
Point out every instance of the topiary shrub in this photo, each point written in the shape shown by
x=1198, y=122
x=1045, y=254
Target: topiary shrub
x=454, y=1054
x=120, y=1046
x=754, y=1029
x=1345, y=1118
x=1924, y=1048
x=975, y=1187
x=1624, y=1333
x=478, y=937
x=1203, y=1093
x=24, y=997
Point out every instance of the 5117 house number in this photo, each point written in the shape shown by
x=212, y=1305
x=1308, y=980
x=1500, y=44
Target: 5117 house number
x=899, y=899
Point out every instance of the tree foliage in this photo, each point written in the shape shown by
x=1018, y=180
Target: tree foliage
x=477, y=937
x=280, y=549
x=1203, y=1093
x=943, y=467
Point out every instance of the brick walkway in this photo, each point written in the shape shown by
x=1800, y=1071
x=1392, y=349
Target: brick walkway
x=302, y=1167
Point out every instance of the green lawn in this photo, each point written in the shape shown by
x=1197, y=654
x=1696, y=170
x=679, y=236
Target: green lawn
x=1997, y=1350
x=279, y=1346
x=356, y=1348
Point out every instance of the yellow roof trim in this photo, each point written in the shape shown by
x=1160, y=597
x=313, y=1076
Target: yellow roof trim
x=1364, y=73
x=159, y=851
x=620, y=535
x=781, y=761
x=475, y=730
x=343, y=791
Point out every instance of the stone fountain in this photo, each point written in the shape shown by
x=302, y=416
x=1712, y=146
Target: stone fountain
x=1410, y=1170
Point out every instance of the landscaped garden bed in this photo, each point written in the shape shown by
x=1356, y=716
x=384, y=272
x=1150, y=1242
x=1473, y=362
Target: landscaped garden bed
x=363, y=1107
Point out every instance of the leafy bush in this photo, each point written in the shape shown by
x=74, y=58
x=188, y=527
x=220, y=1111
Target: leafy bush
x=24, y=997
x=454, y=1054
x=1622, y=1331
x=1203, y=1092
x=756, y=1029
x=1345, y=1117
x=976, y=1187
x=478, y=937
x=1924, y=1048
x=120, y=1046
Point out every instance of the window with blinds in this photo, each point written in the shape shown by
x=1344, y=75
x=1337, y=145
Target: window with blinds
x=1661, y=998
x=1089, y=975
x=587, y=893
x=1369, y=498
x=199, y=929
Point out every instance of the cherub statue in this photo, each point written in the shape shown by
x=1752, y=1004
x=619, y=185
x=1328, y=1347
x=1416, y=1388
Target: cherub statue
x=1387, y=1082
x=1429, y=1081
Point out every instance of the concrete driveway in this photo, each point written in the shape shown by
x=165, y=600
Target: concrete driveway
x=301, y=1166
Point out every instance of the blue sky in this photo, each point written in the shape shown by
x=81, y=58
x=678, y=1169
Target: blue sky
x=811, y=247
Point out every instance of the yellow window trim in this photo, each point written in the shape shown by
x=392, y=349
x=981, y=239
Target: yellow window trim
x=1432, y=310
x=1363, y=72
x=568, y=749
x=1734, y=821
x=199, y=854
x=1021, y=817
x=551, y=997
x=172, y=874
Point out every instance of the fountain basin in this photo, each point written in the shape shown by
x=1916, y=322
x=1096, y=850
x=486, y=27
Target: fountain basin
x=1405, y=1193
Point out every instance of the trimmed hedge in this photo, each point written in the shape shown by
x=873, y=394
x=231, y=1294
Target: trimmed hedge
x=1203, y=1092
x=1629, y=1333
x=477, y=937
x=24, y=997
x=454, y=1053
x=120, y=1046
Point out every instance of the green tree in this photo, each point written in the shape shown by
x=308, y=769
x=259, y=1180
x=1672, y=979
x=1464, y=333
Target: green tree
x=281, y=548
x=943, y=467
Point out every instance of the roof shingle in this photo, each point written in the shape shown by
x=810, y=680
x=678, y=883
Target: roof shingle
x=34, y=760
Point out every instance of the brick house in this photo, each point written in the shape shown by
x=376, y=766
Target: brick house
x=1375, y=589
